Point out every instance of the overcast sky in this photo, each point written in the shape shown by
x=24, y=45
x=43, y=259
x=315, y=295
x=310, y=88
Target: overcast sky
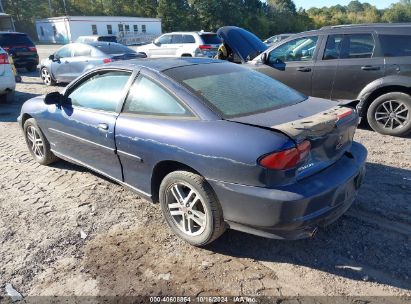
x=320, y=3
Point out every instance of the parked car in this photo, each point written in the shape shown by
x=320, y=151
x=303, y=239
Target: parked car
x=7, y=78
x=73, y=59
x=21, y=48
x=189, y=134
x=276, y=38
x=96, y=38
x=370, y=63
x=183, y=44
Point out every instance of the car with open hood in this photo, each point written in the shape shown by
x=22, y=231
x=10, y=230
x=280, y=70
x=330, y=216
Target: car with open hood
x=188, y=133
x=370, y=63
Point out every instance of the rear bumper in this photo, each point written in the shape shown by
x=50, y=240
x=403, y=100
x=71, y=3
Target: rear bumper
x=294, y=211
x=25, y=61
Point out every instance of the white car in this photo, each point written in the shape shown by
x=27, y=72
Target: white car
x=7, y=78
x=183, y=44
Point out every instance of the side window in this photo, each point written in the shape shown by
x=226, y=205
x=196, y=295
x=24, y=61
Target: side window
x=357, y=46
x=64, y=52
x=177, y=39
x=300, y=49
x=101, y=91
x=396, y=45
x=166, y=39
x=147, y=97
x=82, y=50
x=188, y=39
x=333, y=47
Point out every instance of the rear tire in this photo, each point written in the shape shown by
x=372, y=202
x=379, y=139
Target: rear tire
x=196, y=216
x=46, y=77
x=37, y=143
x=390, y=114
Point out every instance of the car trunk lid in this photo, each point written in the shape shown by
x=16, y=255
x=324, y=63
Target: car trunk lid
x=328, y=126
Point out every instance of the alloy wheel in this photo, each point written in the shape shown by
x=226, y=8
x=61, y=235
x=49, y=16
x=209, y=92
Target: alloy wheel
x=45, y=75
x=392, y=114
x=35, y=141
x=187, y=209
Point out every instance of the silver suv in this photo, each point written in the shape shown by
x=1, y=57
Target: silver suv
x=182, y=44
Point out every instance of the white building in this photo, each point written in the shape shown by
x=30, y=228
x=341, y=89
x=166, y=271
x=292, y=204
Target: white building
x=68, y=28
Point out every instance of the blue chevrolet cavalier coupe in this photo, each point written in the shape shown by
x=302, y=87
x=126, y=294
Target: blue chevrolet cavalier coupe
x=217, y=144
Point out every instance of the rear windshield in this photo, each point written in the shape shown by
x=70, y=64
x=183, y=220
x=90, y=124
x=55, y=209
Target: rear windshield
x=107, y=38
x=15, y=40
x=210, y=39
x=232, y=90
x=396, y=45
x=114, y=49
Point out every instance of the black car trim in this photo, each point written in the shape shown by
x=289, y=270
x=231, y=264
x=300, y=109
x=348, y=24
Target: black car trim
x=80, y=139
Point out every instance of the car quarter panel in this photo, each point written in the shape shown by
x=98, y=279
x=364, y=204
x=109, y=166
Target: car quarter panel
x=218, y=150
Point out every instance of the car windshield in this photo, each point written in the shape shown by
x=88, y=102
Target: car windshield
x=232, y=90
x=15, y=40
x=114, y=49
x=210, y=39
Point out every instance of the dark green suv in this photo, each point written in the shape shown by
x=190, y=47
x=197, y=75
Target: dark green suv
x=21, y=49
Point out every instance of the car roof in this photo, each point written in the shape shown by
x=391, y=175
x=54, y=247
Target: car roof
x=199, y=33
x=12, y=33
x=161, y=64
x=356, y=27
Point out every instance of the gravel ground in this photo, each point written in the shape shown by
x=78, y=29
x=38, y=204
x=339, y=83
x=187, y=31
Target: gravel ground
x=65, y=230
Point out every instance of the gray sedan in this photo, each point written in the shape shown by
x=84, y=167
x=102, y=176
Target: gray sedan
x=73, y=59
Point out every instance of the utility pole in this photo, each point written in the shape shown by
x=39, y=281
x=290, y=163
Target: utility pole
x=50, y=10
x=65, y=8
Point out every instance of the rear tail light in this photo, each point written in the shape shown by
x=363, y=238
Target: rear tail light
x=4, y=59
x=205, y=47
x=32, y=49
x=107, y=60
x=345, y=114
x=286, y=159
x=6, y=49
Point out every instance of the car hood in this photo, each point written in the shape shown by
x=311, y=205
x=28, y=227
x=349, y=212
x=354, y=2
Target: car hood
x=243, y=43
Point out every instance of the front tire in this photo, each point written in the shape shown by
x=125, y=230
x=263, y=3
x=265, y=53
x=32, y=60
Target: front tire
x=46, y=77
x=190, y=208
x=37, y=143
x=390, y=114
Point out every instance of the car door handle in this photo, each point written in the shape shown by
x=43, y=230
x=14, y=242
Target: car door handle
x=66, y=62
x=304, y=69
x=370, y=68
x=102, y=126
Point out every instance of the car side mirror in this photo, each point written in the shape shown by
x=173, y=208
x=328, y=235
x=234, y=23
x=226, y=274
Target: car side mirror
x=55, y=98
x=52, y=57
x=264, y=58
x=156, y=42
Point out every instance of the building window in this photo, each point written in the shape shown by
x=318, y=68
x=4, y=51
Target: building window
x=127, y=27
x=109, y=29
x=54, y=30
x=41, y=31
x=143, y=28
x=135, y=26
x=120, y=28
x=94, y=29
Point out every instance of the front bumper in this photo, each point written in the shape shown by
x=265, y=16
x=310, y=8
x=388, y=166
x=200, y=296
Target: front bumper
x=294, y=211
